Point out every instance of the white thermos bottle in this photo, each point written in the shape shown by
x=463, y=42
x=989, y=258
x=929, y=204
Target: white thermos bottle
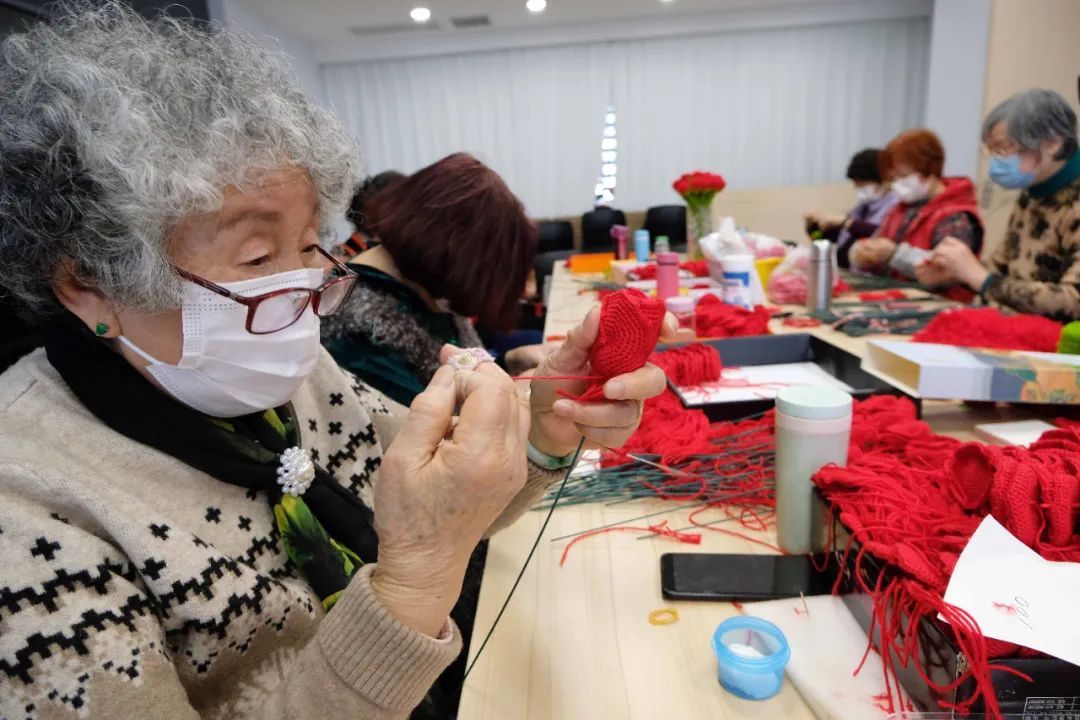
x=813, y=429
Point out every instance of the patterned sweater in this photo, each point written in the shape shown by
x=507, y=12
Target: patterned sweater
x=388, y=337
x=1036, y=269
x=135, y=586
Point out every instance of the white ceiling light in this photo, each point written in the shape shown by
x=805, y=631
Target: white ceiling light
x=667, y=1
x=420, y=14
x=536, y=6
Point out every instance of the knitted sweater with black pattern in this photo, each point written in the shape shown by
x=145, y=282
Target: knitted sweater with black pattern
x=135, y=586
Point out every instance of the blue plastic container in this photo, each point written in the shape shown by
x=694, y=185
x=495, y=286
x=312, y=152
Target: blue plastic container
x=751, y=655
x=641, y=245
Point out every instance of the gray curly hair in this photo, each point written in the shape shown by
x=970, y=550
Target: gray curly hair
x=113, y=128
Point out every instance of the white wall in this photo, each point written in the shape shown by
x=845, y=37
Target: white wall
x=243, y=14
x=765, y=107
x=954, y=95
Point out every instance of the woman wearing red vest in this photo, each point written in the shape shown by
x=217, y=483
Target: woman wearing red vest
x=931, y=208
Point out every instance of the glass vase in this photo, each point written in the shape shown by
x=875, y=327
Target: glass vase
x=698, y=225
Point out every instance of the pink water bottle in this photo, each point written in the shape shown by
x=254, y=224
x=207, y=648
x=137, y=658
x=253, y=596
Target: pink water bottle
x=620, y=234
x=667, y=275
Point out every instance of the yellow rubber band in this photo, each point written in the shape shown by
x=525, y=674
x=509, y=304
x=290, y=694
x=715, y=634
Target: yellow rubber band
x=664, y=616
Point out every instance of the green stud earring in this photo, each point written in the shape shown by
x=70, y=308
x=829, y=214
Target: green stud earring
x=101, y=329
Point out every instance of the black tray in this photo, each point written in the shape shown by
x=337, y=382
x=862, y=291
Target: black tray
x=789, y=348
x=1055, y=683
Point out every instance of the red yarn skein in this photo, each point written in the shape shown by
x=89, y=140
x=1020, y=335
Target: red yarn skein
x=715, y=318
x=690, y=364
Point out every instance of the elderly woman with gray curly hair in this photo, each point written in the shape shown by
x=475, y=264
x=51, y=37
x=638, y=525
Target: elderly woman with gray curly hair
x=193, y=496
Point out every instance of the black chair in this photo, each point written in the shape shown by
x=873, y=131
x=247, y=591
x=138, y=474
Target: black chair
x=596, y=229
x=669, y=220
x=555, y=235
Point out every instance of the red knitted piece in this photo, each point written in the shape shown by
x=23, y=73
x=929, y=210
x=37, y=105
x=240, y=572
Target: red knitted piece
x=989, y=328
x=912, y=500
x=1059, y=487
x=973, y=467
x=716, y=319
x=1014, y=500
x=630, y=324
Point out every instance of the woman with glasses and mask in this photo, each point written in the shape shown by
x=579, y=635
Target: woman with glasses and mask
x=930, y=208
x=200, y=514
x=1032, y=142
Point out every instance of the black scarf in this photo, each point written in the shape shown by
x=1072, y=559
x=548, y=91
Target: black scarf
x=247, y=456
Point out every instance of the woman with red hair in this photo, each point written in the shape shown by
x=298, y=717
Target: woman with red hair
x=455, y=244
x=931, y=208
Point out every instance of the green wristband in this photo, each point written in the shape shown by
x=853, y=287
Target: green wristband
x=549, y=462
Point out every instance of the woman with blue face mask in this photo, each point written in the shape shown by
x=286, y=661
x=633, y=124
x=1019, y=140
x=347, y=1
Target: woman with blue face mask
x=201, y=513
x=1031, y=140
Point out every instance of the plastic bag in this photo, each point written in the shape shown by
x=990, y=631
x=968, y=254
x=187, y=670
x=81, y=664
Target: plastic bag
x=764, y=246
x=789, y=282
x=725, y=241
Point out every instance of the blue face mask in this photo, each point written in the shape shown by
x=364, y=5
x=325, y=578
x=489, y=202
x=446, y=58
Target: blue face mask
x=1006, y=172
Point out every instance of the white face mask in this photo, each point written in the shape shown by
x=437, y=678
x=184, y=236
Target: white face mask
x=911, y=188
x=224, y=370
x=867, y=193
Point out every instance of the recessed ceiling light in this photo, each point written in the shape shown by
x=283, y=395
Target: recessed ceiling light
x=536, y=5
x=420, y=14
x=667, y=1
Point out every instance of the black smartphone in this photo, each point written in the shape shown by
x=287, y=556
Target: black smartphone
x=729, y=578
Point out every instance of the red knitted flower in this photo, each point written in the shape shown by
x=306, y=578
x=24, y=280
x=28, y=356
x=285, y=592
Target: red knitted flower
x=630, y=323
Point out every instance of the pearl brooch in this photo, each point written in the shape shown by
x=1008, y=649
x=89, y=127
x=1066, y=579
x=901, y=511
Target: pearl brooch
x=296, y=471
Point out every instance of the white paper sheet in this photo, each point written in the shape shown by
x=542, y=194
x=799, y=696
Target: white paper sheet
x=765, y=380
x=1016, y=595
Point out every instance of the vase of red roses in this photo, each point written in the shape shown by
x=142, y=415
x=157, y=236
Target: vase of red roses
x=698, y=190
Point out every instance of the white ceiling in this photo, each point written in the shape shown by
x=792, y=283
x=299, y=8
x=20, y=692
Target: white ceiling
x=322, y=21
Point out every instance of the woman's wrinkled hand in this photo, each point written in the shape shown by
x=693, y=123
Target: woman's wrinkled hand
x=442, y=483
x=558, y=424
x=954, y=262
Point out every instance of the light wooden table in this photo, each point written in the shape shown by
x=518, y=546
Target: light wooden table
x=576, y=641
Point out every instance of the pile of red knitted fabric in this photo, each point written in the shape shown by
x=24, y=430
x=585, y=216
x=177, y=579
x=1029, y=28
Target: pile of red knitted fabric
x=990, y=328
x=912, y=499
x=716, y=319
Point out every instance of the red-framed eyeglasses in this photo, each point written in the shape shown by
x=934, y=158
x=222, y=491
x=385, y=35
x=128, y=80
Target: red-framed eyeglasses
x=278, y=309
